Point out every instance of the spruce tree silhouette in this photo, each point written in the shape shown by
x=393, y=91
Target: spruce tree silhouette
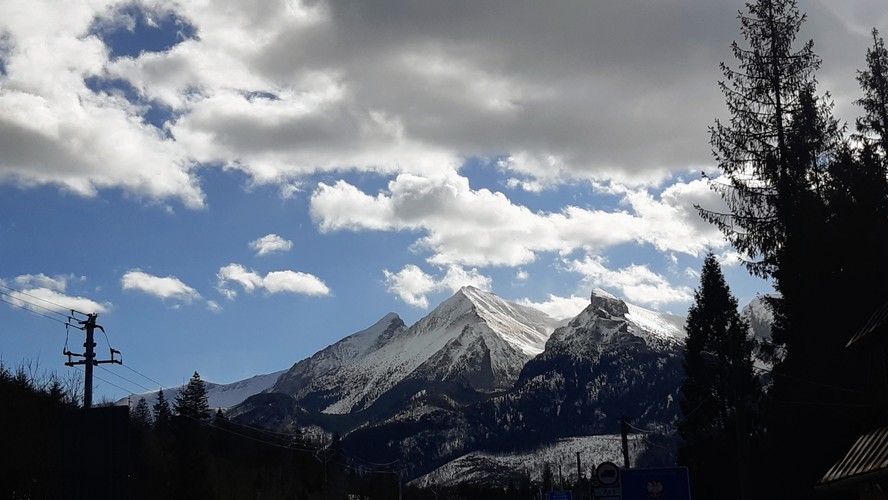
x=192, y=401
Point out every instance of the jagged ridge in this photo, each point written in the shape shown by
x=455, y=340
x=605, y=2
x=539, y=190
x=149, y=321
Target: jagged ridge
x=474, y=339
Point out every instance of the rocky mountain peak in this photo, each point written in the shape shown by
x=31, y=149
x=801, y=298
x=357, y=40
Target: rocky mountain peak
x=606, y=305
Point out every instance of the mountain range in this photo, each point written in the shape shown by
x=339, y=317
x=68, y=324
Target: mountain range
x=480, y=379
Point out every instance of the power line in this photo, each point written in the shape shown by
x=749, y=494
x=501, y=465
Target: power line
x=73, y=311
x=105, y=381
x=811, y=382
x=20, y=306
x=143, y=375
x=124, y=378
x=639, y=429
x=110, y=383
x=355, y=457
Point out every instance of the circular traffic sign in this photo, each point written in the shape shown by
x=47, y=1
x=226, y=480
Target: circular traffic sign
x=607, y=473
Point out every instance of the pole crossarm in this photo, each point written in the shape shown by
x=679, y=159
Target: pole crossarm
x=89, y=357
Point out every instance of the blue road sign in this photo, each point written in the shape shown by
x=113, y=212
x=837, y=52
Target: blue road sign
x=559, y=495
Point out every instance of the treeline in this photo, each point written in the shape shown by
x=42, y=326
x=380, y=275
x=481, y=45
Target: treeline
x=807, y=208
x=52, y=449
x=33, y=410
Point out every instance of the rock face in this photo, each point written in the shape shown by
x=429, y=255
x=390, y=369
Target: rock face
x=613, y=359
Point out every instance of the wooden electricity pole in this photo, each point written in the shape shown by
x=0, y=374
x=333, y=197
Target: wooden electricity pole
x=624, y=432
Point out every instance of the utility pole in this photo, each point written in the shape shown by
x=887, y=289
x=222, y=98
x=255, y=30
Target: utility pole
x=89, y=357
x=624, y=431
x=579, y=469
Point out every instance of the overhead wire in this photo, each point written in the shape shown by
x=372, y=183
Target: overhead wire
x=20, y=306
x=355, y=457
x=639, y=429
x=124, y=378
x=59, y=306
x=21, y=303
x=811, y=382
x=146, y=377
x=103, y=380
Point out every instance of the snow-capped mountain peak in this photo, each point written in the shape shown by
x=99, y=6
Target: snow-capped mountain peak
x=525, y=328
x=473, y=339
x=613, y=315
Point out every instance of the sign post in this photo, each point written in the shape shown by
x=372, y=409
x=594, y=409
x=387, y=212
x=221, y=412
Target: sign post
x=608, y=475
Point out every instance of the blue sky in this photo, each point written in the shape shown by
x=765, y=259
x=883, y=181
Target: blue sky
x=234, y=185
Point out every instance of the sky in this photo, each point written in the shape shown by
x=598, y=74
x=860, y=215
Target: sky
x=234, y=185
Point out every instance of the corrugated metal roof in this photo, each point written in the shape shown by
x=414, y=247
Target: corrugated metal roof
x=868, y=457
x=876, y=322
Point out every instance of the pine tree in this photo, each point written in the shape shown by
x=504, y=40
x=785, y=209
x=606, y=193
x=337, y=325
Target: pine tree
x=192, y=401
x=141, y=415
x=719, y=389
x=873, y=81
x=219, y=417
x=162, y=411
x=797, y=197
x=757, y=151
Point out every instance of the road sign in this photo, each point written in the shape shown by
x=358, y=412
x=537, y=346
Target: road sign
x=664, y=483
x=559, y=495
x=607, y=473
x=606, y=492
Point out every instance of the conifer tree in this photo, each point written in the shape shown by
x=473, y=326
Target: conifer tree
x=162, y=411
x=758, y=149
x=796, y=194
x=141, y=414
x=719, y=391
x=192, y=401
x=873, y=125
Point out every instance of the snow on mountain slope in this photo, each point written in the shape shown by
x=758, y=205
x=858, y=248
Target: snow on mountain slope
x=661, y=325
x=760, y=318
x=502, y=468
x=609, y=317
x=512, y=320
x=473, y=336
x=219, y=395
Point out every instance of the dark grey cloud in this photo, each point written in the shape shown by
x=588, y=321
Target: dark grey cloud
x=611, y=91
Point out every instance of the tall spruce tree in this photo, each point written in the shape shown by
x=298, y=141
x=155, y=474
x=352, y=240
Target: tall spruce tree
x=873, y=125
x=161, y=411
x=141, y=415
x=719, y=391
x=762, y=183
x=192, y=401
x=787, y=173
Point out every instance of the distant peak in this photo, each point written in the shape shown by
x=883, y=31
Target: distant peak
x=387, y=320
x=470, y=292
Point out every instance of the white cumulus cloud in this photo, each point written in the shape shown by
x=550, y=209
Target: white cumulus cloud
x=42, y=293
x=166, y=287
x=637, y=283
x=270, y=243
x=559, y=307
x=465, y=226
x=413, y=285
x=273, y=282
